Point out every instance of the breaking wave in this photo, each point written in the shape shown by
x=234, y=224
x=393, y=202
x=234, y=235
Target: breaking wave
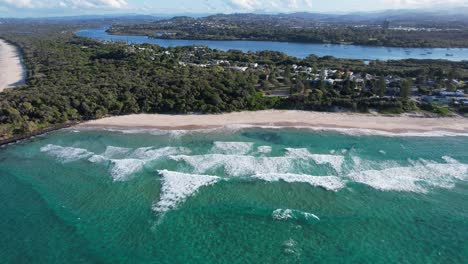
x=240, y=148
x=334, y=161
x=244, y=165
x=122, y=169
x=419, y=177
x=330, y=183
x=176, y=187
x=297, y=165
x=66, y=154
x=286, y=214
x=264, y=149
x=237, y=165
x=115, y=152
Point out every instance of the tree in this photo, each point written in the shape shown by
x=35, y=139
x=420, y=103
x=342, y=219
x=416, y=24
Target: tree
x=381, y=87
x=405, y=91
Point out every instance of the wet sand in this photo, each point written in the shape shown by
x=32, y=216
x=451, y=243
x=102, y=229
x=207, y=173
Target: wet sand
x=276, y=118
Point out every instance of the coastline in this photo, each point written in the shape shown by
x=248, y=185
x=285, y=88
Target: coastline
x=12, y=71
x=284, y=119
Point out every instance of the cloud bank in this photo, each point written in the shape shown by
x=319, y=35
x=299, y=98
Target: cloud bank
x=75, y=4
x=425, y=3
x=270, y=5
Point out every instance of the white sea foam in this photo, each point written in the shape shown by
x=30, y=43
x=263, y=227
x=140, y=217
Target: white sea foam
x=177, y=187
x=66, y=154
x=362, y=131
x=418, y=177
x=287, y=214
x=282, y=214
x=450, y=160
x=310, y=216
x=98, y=159
x=114, y=152
x=331, y=183
x=130, y=162
x=122, y=169
x=173, y=133
x=290, y=247
x=151, y=153
x=334, y=161
x=264, y=149
x=237, y=165
x=234, y=148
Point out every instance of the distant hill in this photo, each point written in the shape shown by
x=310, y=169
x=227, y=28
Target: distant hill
x=402, y=28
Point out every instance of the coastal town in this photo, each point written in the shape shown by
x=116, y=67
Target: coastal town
x=285, y=80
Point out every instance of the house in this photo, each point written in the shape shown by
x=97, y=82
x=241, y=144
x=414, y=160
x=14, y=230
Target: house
x=445, y=93
x=237, y=68
x=435, y=100
x=463, y=102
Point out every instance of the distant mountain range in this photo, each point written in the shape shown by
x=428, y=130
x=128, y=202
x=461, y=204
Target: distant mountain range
x=444, y=18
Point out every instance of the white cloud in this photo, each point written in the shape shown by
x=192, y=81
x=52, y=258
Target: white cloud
x=270, y=5
x=77, y=4
x=426, y=3
x=19, y=3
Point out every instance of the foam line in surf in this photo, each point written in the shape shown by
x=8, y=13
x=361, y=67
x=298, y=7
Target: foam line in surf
x=66, y=154
x=331, y=183
x=264, y=149
x=239, y=148
x=236, y=165
x=419, y=177
x=177, y=187
x=288, y=214
x=121, y=169
x=334, y=161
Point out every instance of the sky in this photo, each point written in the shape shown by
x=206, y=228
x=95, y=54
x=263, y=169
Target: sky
x=41, y=8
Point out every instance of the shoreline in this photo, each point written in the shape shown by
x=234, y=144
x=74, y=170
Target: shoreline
x=362, y=124
x=12, y=70
x=286, y=119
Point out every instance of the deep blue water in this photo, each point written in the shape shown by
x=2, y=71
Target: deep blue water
x=300, y=50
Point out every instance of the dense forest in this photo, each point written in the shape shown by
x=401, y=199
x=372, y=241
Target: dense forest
x=294, y=29
x=72, y=79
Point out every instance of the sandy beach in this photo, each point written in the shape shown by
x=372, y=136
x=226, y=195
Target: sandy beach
x=11, y=70
x=276, y=118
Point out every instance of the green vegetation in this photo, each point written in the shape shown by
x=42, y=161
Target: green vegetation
x=72, y=79
x=292, y=29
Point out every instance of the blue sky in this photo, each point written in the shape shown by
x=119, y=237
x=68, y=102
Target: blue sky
x=24, y=8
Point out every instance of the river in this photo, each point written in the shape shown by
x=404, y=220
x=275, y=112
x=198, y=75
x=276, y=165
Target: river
x=300, y=50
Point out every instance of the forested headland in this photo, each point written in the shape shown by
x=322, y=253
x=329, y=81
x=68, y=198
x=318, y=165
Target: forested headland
x=73, y=79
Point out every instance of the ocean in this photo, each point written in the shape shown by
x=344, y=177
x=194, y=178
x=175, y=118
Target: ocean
x=234, y=195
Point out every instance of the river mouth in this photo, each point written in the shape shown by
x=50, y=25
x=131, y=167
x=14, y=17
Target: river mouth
x=299, y=50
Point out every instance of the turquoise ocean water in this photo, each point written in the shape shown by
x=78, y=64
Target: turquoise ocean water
x=251, y=195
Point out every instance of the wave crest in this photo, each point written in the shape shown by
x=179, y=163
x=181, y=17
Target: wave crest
x=177, y=187
x=66, y=154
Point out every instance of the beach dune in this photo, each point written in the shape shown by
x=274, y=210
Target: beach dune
x=277, y=118
x=11, y=70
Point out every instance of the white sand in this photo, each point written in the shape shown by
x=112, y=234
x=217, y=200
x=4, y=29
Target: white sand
x=11, y=70
x=396, y=124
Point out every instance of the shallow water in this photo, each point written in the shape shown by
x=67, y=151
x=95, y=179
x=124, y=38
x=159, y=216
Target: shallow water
x=300, y=50
x=245, y=195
